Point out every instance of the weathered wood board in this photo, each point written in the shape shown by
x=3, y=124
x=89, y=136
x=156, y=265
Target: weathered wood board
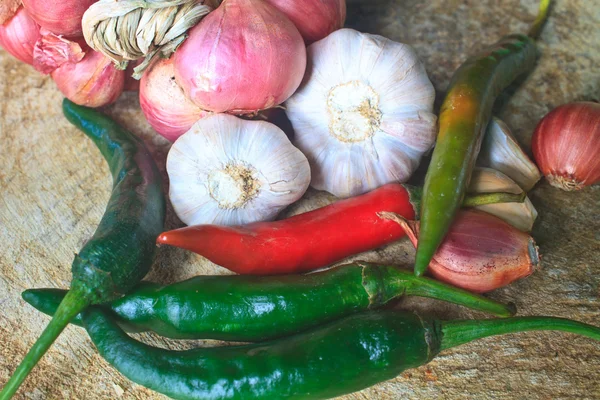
x=54, y=187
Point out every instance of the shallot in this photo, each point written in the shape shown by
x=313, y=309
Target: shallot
x=242, y=58
x=62, y=17
x=315, y=19
x=19, y=35
x=91, y=82
x=566, y=145
x=480, y=253
x=164, y=104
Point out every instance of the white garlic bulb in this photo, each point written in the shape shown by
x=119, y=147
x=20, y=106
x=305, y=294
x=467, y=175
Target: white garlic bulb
x=488, y=180
x=501, y=151
x=363, y=114
x=229, y=171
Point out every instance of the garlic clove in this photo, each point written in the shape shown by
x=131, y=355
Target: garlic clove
x=363, y=114
x=487, y=180
x=501, y=151
x=229, y=171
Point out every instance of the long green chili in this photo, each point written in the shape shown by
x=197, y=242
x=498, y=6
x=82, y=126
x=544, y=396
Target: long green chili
x=464, y=116
x=249, y=308
x=341, y=357
x=121, y=251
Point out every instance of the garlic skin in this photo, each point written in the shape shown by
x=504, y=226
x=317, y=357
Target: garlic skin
x=229, y=171
x=520, y=215
x=363, y=114
x=500, y=151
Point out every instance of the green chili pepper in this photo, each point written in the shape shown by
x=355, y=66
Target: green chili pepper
x=342, y=357
x=248, y=308
x=464, y=116
x=122, y=249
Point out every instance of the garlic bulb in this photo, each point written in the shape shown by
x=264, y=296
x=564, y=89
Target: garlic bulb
x=363, y=114
x=229, y=171
x=501, y=151
x=520, y=215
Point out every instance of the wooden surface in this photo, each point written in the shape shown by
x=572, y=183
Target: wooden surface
x=55, y=185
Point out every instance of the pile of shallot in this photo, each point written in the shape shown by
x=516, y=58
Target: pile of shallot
x=244, y=57
x=47, y=34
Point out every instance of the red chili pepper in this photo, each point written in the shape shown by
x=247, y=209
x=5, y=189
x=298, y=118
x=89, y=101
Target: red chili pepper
x=314, y=239
x=304, y=242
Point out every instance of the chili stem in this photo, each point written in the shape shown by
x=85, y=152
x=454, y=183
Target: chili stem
x=541, y=18
x=425, y=287
x=455, y=333
x=493, y=198
x=73, y=303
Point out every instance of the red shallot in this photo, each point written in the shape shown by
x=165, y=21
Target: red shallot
x=19, y=35
x=315, y=19
x=91, y=82
x=242, y=58
x=62, y=17
x=480, y=253
x=164, y=104
x=566, y=145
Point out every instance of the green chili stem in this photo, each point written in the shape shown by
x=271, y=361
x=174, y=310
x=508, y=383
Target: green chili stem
x=455, y=333
x=73, y=303
x=425, y=287
x=541, y=18
x=471, y=199
x=493, y=198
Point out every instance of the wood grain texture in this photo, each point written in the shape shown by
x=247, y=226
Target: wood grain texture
x=55, y=185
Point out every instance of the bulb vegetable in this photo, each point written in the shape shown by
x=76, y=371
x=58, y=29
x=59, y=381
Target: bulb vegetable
x=566, y=145
x=364, y=113
x=18, y=36
x=164, y=104
x=62, y=17
x=501, y=152
x=229, y=171
x=242, y=58
x=520, y=215
x=480, y=253
x=315, y=19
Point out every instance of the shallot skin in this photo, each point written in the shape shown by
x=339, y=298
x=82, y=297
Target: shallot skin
x=92, y=82
x=315, y=19
x=61, y=17
x=164, y=104
x=19, y=35
x=566, y=145
x=242, y=58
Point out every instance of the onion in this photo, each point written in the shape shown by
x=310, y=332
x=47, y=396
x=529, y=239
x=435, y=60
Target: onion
x=164, y=104
x=62, y=17
x=243, y=57
x=19, y=35
x=566, y=145
x=92, y=82
x=315, y=19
